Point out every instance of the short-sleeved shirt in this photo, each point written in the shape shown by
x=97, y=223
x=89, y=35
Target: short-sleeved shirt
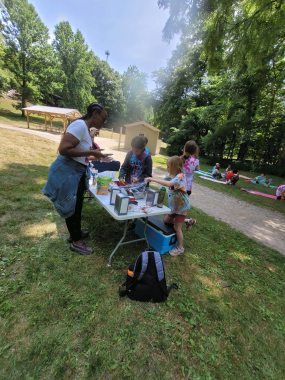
x=279, y=190
x=190, y=166
x=230, y=176
x=178, y=200
x=79, y=129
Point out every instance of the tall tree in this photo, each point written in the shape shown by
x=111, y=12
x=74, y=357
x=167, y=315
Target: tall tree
x=108, y=91
x=134, y=87
x=23, y=31
x=77, y=63
x=5, y=75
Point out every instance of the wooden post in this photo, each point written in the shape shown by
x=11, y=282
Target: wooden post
x=45, y=121
x=112, y=133
x=121, y=129
x=28, y=114
x=50, y=120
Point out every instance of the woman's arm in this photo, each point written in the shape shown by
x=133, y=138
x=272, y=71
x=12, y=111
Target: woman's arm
x=162, y=182
x=68, y=144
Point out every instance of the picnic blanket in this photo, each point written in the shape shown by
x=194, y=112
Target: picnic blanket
x=258, y=193
x=212, y=179
x=255, y=183
x=203, y=173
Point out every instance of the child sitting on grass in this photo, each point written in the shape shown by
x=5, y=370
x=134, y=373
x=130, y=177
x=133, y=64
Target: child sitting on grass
x=178, y=200
x=232, y=177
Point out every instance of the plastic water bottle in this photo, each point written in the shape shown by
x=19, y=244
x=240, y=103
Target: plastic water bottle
x=161, y=197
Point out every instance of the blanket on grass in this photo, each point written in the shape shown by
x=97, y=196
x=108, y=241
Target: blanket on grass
x=212, y=179
x=258, y=193
x=273, y=187
x=200, y=172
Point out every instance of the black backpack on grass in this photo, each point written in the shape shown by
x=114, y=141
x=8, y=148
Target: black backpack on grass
x=146, y=279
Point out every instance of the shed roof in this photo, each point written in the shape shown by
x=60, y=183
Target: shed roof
x=145, y=124
x=74, y=113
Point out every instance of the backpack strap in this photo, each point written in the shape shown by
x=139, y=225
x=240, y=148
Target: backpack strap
x=122, y=293
x=159, y=266
x=144, y=259
x=172, y=286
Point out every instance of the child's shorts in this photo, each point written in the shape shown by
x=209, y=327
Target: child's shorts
x=178, y=218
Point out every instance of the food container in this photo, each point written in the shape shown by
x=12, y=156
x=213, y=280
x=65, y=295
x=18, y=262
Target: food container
x=103, y=185
x=121, y=204
x=114, y=191
x=152, y=197
x=102, y=190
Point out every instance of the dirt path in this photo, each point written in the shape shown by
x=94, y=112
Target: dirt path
x=265, y=226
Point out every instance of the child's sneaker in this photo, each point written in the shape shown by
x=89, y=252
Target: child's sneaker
x=90, y=200
x=176, y=251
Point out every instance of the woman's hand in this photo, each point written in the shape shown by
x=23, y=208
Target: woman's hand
x=148, y=179
x=97, y=153
x=107, y=159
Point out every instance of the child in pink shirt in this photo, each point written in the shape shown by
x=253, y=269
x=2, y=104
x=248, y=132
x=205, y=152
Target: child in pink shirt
x=190, y=165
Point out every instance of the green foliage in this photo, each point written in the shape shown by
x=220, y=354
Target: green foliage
x=5, y=74
x=225, y=86
x=77, y=64
x=108, y=91
x=28, y=54
x=135, y=92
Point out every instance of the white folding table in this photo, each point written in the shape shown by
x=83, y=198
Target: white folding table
x=104, y=201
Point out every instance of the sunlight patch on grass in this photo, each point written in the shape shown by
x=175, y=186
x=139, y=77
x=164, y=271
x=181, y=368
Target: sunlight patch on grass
x=40, y=229
x=210, y=284
x=240, y=256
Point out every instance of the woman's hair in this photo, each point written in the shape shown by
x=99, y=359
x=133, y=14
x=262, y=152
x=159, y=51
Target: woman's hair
x=190, y=149
x=137, y=143
x=175, y=165
x=90, y=109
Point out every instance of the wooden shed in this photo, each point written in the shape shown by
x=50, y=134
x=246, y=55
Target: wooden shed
x=142, y=128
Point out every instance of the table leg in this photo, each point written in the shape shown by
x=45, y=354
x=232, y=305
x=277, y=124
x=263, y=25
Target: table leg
x=124, y=235
x=145, y=224
x=128, y=242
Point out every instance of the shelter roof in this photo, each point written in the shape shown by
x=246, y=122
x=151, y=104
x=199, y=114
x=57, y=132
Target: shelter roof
x=145, y=124
x=54, y=111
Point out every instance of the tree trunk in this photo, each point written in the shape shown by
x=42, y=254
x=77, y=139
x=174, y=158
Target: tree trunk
x=269, y=116
x=24, y=86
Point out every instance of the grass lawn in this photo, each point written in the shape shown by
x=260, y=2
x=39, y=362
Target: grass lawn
x=61, y=316
x=273, y=204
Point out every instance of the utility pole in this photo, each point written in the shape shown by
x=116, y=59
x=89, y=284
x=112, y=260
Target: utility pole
x=107, y=53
